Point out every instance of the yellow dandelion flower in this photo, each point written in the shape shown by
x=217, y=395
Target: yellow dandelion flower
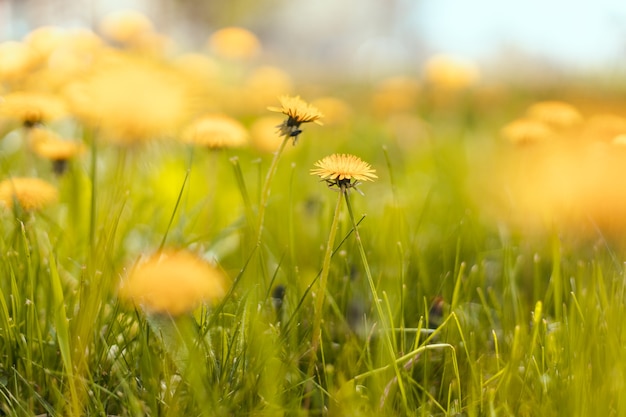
x=555, y=113
x=48, y=145
x=234, y=43
x=297, y=111
x=16, y=60
x=31, y=108
x=125, y=26
x=263, y=133
x=131, y=99
x=340, y=169
x=604, y=127
x=451, y=73
x=336, y=111
x=395, y=94
x=30, y=193
x=172, y=282
x=525, y=130
x=216, y=132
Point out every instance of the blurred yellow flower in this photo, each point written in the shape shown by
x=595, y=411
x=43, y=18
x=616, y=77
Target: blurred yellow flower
x=48, y=145
x=336, y=111
x=30, y=193
x=395, y=94
x=555, y=113
x=450, y=73
x=16, y=59
x=30, y=108
x=263, y=133
x=125, y=26
x=234, y=43
x=297, y=111
x=525, y=131
x=340, y=169
x=263, y=84
x=131, y=99
x=172, y=282
x=216, y=132
x=604, y=127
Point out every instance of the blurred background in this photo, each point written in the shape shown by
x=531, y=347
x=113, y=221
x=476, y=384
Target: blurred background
x=367, y=38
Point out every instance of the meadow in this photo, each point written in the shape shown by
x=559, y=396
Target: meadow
x=201, y=233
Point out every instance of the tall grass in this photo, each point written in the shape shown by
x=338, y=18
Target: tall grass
x=414, y=300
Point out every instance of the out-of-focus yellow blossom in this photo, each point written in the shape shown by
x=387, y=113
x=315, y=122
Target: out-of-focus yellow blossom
x=172, y=282
x=216, y=132
x=395, y=94
x=49, y=145
x=450, y=73
x=125, y=26
x=16, y=60
x=336, y=111
x=31, y=108
x=45, y=39
x=131, y=99
x=263, y=84
x=603, y=127
x=30, y=193
x=527, y=131
x=557, y=114
x=234, y=43
x=263, y=133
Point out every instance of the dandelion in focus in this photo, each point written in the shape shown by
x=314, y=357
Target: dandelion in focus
x=297, y=111
x=172, y=282
x=343, y=171
x=216, y=132
x=30, y=193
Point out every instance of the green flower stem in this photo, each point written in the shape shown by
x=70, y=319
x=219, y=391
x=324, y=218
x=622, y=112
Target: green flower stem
x=319, y=301
x=377, y=303
x=265, y=192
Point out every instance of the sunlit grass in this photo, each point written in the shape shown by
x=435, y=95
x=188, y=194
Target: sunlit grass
x=459, y=283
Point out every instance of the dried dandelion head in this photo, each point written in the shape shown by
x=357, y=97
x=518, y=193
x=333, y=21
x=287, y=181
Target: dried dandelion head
x=297, y=111
x=172, y=282
x=216, y=132
x=30, y=193
x=343, y=171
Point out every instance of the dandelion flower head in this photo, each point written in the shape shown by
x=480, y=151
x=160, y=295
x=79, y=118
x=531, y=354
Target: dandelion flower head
x=49, y=145
x=234, y=43
x=31, y=193
x=125, y=26
x=555, y=113
x=297, y=111
x=526, y=130
x=31, y=108
x=216, y=132
x=172, y=282
x=340, y=169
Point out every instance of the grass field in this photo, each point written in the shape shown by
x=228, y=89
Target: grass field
x=480, y=274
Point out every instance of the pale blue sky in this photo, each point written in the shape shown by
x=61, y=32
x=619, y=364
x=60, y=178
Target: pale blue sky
x=580, y=32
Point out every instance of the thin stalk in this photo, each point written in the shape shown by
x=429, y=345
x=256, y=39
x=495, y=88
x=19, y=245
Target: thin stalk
x=319, y=301
x=377, y=303
x=265, y=192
